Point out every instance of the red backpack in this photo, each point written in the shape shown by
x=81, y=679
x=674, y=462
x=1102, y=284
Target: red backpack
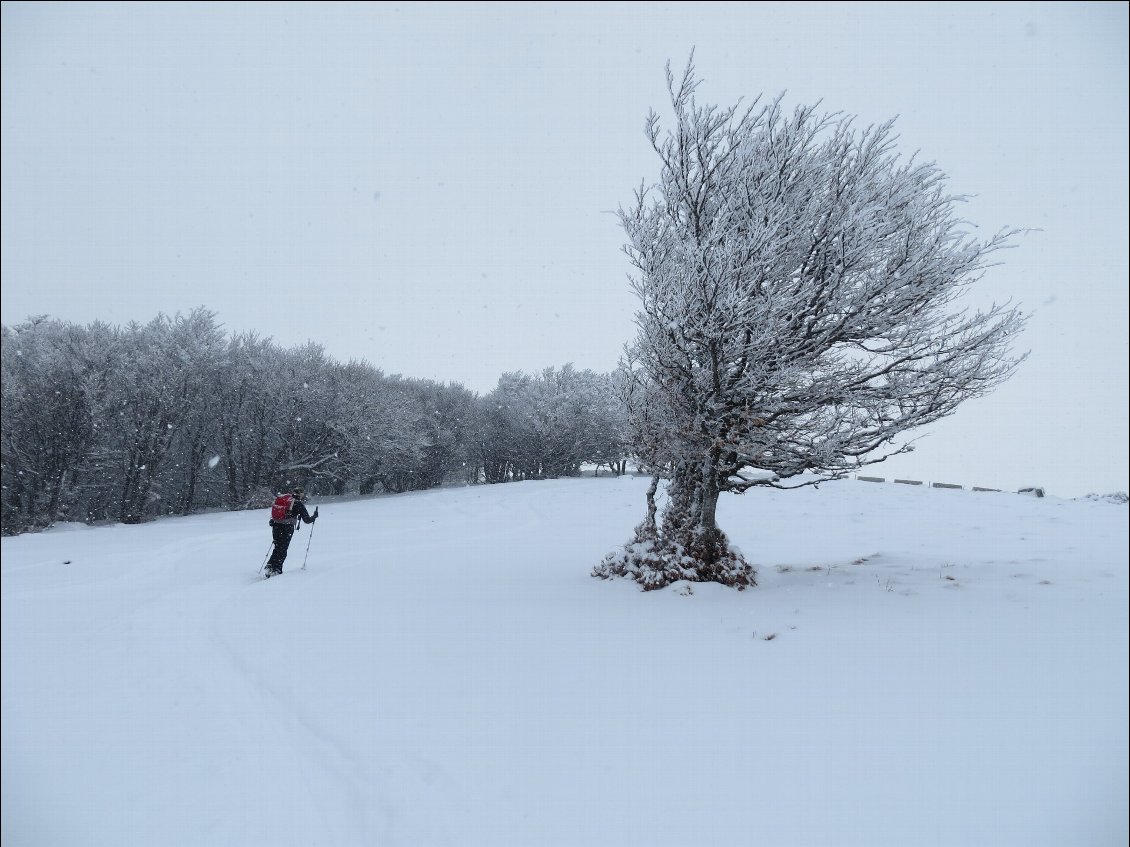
x=280, y=511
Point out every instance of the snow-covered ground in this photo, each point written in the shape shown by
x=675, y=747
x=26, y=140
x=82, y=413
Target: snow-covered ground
x=917, y=667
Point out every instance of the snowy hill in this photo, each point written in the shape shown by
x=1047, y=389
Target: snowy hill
x=919, y=667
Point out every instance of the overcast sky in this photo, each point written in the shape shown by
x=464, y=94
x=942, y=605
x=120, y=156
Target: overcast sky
x=432, y=187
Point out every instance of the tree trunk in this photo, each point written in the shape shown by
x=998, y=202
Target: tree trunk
x=649, y=521
x=690, y=520
x=687, y=543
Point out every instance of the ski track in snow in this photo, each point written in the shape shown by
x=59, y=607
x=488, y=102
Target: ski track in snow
x=285, y=723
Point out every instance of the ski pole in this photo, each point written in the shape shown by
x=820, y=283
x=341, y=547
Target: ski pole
x=269, y=549
x=309, y=538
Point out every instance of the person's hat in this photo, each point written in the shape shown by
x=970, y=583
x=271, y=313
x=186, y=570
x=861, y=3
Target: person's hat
x=300, y=493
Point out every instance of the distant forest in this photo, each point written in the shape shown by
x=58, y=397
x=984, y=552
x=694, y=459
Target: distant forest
x=107, y=423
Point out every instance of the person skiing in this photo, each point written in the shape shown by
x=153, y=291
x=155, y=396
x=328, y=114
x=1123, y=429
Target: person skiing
x=285, y=514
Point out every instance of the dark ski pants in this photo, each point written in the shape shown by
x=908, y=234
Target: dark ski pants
x=281, y=533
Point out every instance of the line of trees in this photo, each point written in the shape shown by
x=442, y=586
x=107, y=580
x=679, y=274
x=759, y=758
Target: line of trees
x=127, y=423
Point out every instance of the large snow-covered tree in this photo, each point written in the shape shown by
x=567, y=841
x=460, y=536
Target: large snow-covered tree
x=799, y=285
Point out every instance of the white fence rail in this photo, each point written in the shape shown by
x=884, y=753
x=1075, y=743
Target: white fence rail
x=1035, y=492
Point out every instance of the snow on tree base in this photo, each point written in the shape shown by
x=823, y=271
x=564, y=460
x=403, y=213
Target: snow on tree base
x=655, y=566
